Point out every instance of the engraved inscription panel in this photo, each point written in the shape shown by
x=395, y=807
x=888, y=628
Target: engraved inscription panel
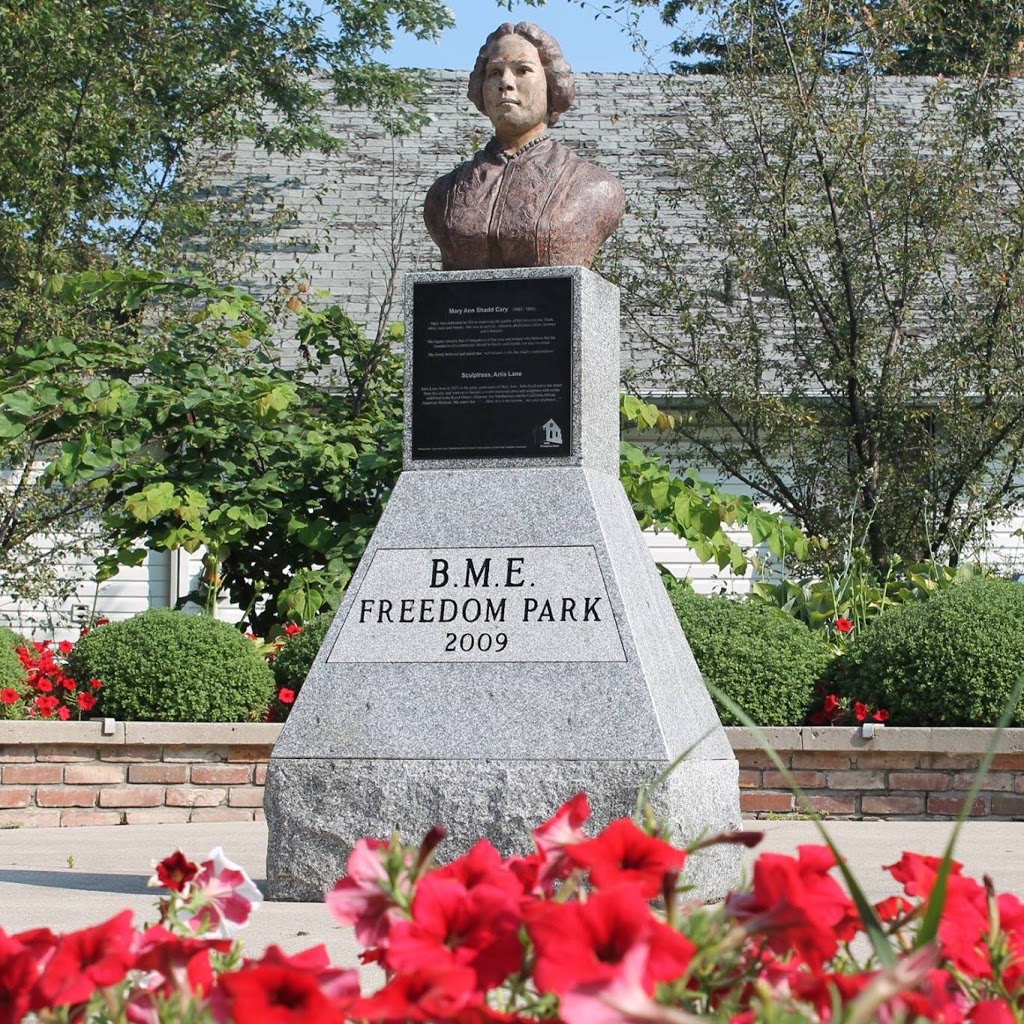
x=492, y=369
x=517, y=604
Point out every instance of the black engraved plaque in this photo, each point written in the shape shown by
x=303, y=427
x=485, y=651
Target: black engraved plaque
x=492, y=369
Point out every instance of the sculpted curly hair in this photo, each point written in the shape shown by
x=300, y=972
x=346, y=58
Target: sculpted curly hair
x=561, y=88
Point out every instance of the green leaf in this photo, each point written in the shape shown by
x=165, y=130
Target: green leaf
x=153, y=501
x=276, y=400
x=9, y=428
x=20, y=402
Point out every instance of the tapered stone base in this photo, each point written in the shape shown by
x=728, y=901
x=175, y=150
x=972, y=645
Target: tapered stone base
x=317, y=809
x=505, y=643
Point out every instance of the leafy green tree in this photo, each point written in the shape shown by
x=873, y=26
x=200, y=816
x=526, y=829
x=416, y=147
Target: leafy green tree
x=109, y=116
x=195, y=436
x=850, y=344
x=108, y=112
x=954, y=37
x=924, y=37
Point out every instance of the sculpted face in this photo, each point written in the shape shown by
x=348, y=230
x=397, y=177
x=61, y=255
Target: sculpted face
x=515, y=88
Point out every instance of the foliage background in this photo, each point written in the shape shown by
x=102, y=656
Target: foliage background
x=848, y=343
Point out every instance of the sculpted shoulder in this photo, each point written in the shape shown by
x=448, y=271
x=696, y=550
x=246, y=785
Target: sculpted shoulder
x=435, y=205
x=596, y=195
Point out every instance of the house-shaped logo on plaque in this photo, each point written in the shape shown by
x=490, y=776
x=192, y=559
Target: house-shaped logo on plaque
x=552, y=435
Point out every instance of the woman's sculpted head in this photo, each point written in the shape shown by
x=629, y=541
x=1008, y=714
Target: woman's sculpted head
x=503, y=82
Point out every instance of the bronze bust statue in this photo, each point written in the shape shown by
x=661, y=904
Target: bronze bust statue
x=523, y=200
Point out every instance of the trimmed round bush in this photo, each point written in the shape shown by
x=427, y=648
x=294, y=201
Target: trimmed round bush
x=292, y=665
x=757, y=655
x=12, y=672
x=166, y=666
x=952, y=660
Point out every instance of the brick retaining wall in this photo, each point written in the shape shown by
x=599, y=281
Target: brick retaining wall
x=896, y=773
x=72, y=773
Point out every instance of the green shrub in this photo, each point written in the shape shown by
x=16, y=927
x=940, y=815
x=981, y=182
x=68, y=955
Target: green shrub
x=167, y=666
x=292, y=665
x=760, y=657
x=950, y=661
x=12, y=672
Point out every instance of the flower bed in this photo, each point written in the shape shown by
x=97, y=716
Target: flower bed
x=585, y=930
x=74, y=773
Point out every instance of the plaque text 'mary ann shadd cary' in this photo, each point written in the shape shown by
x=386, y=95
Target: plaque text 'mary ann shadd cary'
x=492, y=374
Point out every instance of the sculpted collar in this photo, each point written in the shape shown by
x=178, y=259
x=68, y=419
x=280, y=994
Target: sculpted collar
x=495, y=149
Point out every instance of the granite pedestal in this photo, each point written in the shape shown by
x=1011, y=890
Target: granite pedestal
x=506, y=641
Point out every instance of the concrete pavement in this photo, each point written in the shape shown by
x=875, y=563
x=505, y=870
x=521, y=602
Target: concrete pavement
x=66, y=878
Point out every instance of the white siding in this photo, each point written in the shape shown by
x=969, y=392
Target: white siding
x=133, y=590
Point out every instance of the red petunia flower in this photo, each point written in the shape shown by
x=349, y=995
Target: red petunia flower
x=588, y=943
x=44, y=686
x=335, y=982
x=89, y=959
x=286, y=696
x=183, y=963
x=46, y=705
x=86, y=701
x=274, y=994
x=624, y=854
x=23, y=961
x=861, y=711
x=540, y=872
x=458, y=927
x=481, y=866
x=796, y=904
x=63, y=713
x=431, y=993
x=965, y=915
x=9, y=696
x=65, y=647
x=95, y=684
x=917, y=872
x=844, y=625
x=291, y=628
x=174, y=872
x=881, y=715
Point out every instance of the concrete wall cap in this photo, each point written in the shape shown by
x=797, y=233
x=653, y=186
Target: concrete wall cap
x=938, y=740
x=894, y=739
x=35, y=732
x=190, y=734
x=780, y=738
x=202, y=734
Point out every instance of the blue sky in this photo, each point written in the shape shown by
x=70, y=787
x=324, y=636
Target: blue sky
x=590, y=43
